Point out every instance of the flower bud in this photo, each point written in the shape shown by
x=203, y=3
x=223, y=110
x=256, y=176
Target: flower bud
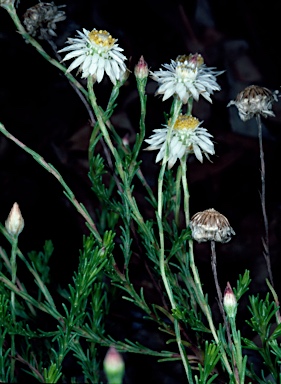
x=229, y=301
x=141, y=69
x=114, y=366
x=14, y=223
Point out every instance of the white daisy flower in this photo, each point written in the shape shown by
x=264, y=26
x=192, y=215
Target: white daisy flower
x=96, y=52
x=187, y=137
x=187, y=77
x=254, y=100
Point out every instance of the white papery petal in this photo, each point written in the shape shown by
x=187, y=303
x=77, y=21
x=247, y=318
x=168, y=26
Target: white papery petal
x=197, y=152
x=75, y=63
x=94, y=58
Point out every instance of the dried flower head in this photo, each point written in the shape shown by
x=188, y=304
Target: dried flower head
x=187, y=137
x=229, y=301
x=14, y=223
x=41, y=20
x=254, y=100
x=96, y=53
x=186, y=77
x=210, y=225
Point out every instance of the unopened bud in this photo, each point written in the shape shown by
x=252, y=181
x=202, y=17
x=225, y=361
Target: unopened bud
x=141, y=69
x=14, y=223
x=114, y=366
x=229, y=301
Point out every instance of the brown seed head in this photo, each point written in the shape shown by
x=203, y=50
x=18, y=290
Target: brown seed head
x=254, y=100
x=41, y=20
x=210, y=225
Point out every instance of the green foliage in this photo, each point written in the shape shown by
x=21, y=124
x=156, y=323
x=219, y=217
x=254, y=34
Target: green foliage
x=132, y=225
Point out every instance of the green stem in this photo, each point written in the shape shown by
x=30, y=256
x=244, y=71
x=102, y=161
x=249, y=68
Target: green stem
x=102, y=126
x=127, y=190
x=168, y=288
x=205, y=307
x=178, y=196
x=141, y=135
x=185, y=190
x=13, y=306
x=238, y=363
x=70, y=195
x=13, y=14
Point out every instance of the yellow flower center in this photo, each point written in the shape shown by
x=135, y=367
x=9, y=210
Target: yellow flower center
x=186, y=122
x=101, y=38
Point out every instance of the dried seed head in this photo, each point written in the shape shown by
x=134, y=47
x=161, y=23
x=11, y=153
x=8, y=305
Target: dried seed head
x=254, y=100
x=210, y=225
x=14, y=223
x=41, y=20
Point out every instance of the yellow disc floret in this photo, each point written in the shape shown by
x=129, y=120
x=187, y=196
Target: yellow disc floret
x=101, y=38
x=186, y=122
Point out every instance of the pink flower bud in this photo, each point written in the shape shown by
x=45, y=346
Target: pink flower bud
x=114, y=366
x=229, y=301
x=141, y=69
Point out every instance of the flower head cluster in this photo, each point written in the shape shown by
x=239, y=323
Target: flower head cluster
x=254, y=100
x=96, y=53
x=187, y=137
x=186, y=77
x=41, y=19
x=210, y=225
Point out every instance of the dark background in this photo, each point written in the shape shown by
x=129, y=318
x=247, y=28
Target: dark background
x=40, y=108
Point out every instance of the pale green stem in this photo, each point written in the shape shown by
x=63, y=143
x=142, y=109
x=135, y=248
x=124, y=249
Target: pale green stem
x=185, y=190
x=205, y=307
x=178, y=196
x=102, y=126
x=198, y=284
x=137, y=215
x=168, y=288
x=81, y=209
x=13, y=305
x=238, y=349
x=200, y=295
x=13, y=14
x=189, y=106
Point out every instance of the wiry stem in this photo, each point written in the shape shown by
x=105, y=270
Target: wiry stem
x=265, y=219
x=220, y=302
x=40, y=160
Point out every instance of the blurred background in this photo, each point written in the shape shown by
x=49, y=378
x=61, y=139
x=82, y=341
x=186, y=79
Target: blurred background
x=39, y=107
